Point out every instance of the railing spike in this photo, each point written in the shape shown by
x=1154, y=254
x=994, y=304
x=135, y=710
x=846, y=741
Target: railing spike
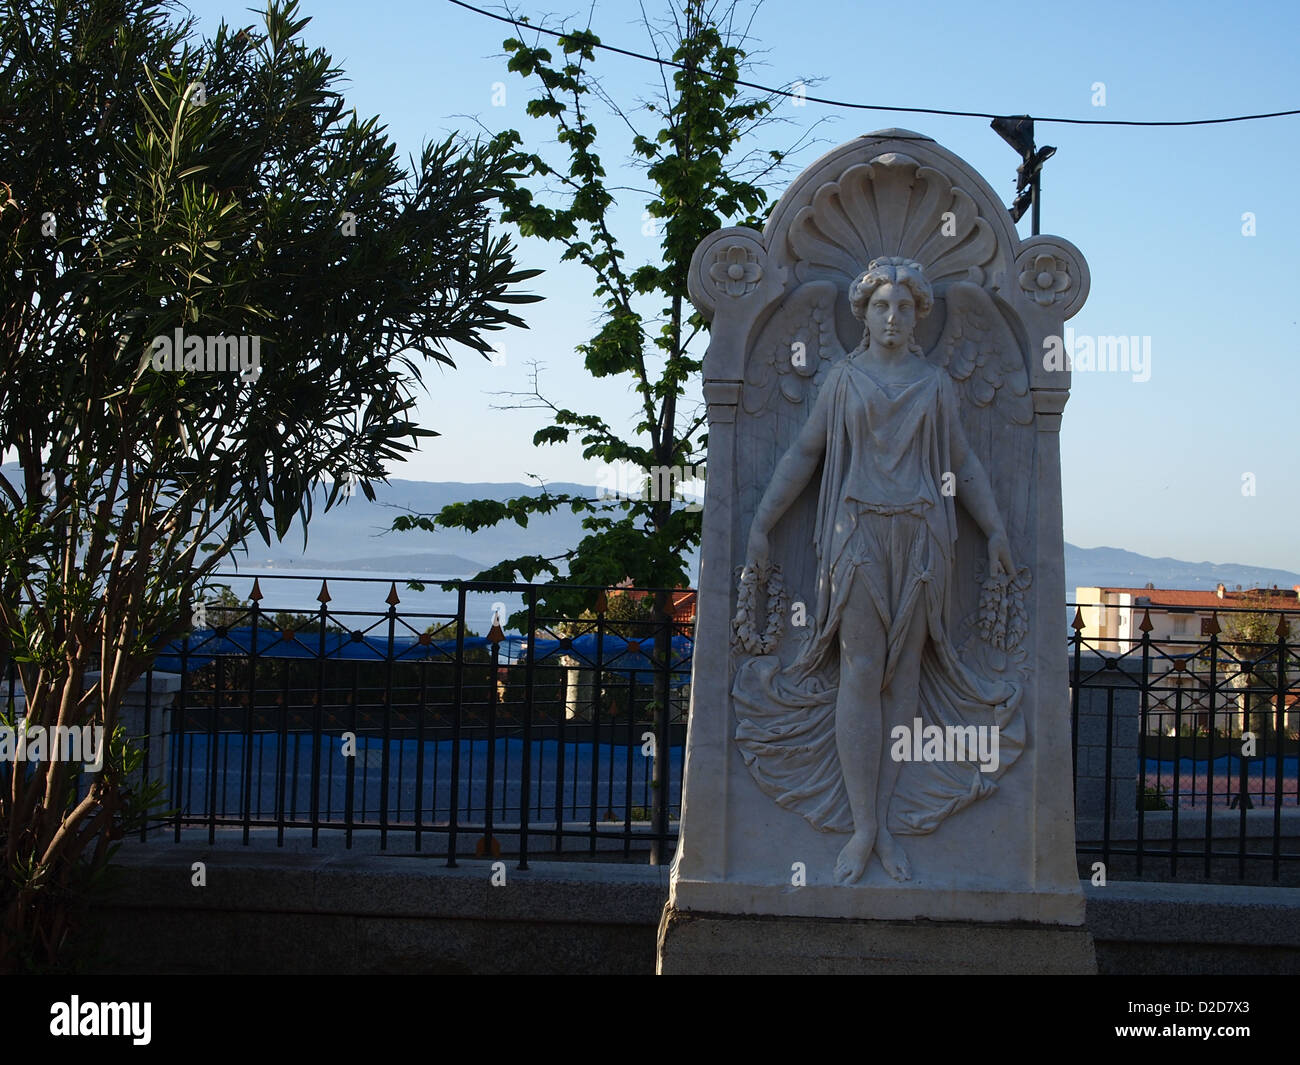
x=1283, y=627
x=324, y=596
x=1213, y=628
x=393, y=598
x=1146, y=625
x=1077, y=624
x=256, y=594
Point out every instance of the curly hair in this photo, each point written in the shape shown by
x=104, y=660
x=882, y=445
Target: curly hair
x=891, y=270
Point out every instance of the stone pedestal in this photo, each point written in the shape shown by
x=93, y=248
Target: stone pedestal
x=731, y=944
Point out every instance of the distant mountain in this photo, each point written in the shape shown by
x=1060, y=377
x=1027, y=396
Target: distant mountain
x=425, y=562
x=1115, y=567
x=338, y=539
x=355, y=536
x=335, y=538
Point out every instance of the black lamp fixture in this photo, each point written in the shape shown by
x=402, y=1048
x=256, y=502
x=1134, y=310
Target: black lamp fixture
x=1018, y=131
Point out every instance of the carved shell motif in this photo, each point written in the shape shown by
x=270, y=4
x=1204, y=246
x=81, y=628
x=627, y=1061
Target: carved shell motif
x=892, y=205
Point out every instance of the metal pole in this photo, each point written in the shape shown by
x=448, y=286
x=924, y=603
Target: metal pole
x=1033, y=200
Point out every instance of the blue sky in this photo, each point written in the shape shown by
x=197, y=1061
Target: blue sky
x=1154, y=466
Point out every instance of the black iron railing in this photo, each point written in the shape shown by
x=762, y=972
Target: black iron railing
x=428, y=728
x=1186, y=744
x=411, y=724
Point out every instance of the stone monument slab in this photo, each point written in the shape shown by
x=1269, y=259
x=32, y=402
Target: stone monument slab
x=879, y=725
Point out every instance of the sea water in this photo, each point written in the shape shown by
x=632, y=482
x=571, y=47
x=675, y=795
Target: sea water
x=362, y=596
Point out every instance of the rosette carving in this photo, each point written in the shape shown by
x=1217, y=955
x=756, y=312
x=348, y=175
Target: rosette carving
x=1051, y=272
x=729, y=265
x=1045, y=279
x=736, y=270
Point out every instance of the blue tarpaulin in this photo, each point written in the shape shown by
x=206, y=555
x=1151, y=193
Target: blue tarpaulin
x=616, y=653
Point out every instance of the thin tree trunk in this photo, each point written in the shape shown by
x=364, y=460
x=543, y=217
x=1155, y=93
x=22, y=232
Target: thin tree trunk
x=662, y=616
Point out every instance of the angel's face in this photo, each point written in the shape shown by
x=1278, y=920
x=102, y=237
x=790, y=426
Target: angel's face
x=891, y=317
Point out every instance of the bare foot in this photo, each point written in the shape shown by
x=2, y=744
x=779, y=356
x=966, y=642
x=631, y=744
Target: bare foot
x=853, y=859
x=892, y=857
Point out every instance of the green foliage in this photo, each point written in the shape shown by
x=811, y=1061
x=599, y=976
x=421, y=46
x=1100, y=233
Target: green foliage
x=56, y=895
x=448, y=631
x=1152, y=798
x=647, y=332
x=1251, y=629
x=630, y=616
x=1249, y=650
x=153, y=182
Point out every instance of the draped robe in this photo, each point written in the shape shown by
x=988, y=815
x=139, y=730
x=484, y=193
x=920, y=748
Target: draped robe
x=882, y=516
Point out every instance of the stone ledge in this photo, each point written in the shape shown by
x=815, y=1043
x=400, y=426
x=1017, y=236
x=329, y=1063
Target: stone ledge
x=1194, y=913
x=728, y=944
x=386, y=886
x=277, y=911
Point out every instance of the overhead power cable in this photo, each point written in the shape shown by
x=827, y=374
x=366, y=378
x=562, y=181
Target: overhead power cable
x=803, y=96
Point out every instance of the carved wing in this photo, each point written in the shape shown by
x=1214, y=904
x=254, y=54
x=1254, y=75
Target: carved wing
x=793, y=353
x=980, y=353
x=984, y=360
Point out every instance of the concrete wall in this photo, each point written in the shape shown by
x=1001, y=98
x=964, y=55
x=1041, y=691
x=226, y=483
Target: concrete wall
x=277, y=911
x=327, y=911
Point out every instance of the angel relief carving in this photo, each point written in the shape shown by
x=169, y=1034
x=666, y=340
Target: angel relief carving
x=915, y=616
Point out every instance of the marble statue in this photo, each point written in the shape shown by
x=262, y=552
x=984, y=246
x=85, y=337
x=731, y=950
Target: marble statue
x=885, y=429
